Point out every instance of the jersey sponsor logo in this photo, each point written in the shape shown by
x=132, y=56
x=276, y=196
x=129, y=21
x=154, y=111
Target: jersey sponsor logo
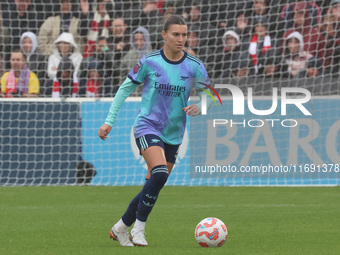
x=170, y=87
x=158, y=75
x=169, y=90
x=183, y=78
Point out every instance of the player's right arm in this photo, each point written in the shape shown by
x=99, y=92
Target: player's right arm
x=135, y=77
x=123, y=92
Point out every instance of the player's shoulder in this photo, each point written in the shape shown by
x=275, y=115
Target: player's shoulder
x=194, y=59
x=152, y=54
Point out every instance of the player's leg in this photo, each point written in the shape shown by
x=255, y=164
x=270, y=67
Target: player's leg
x=158, y=174
x=158, y=159
x=129, y=217
x=171, y=152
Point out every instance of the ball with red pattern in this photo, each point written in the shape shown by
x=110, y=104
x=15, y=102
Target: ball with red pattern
x=211, y=232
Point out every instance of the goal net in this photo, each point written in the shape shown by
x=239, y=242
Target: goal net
x=62, y=62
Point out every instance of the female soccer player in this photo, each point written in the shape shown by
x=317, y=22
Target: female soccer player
x=159, y=127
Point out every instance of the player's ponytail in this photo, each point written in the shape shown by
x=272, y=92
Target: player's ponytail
x=173, y=20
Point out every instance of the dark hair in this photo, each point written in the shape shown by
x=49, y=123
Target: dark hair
x=101, y=38
x=173, y=20
x=18, y=50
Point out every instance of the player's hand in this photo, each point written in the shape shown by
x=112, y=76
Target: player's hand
x=192, y=110
x=104, y=131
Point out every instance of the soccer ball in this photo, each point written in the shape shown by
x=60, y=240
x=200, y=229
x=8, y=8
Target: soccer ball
x=211, y=232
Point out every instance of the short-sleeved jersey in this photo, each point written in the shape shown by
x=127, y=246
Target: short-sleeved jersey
x=166, y=91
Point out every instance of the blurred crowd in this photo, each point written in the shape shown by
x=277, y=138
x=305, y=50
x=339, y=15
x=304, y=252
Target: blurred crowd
x=86, y=48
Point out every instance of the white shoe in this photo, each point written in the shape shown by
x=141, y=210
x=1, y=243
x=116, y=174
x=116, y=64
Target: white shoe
x=138, y=237
x=122, y=238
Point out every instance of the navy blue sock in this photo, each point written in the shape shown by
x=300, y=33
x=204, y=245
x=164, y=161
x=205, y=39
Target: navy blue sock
x=150, y=191
x=129, y=216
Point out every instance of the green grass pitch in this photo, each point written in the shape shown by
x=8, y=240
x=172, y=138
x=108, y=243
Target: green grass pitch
x=260, y=220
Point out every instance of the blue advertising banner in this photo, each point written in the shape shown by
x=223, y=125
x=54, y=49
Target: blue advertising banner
x=291, y=149
x=42, y=142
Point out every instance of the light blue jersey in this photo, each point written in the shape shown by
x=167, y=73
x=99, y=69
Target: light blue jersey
x=166, y=91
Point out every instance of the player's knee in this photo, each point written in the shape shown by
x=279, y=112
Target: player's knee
x=160, y=174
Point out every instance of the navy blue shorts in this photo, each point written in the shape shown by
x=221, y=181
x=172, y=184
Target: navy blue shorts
x=147, y=141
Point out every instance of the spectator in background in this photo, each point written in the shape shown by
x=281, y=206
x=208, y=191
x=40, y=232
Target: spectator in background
x=227, y=13
x=272, y=74
x=140, y=45
x=103, y=54
x=192, y=43
x=241, y=75
x=127, y=9
x=196, y=21
x=119, y=36
x=119, y=43
x=324, y=5
x=98, y=24
x=20, y=17
x=170, y=8
x=67, y=21
x=64, y=46
x=272, y=66
x=255, y=10
x=65, y=83
x=92, y=84
x=294, y=55
x=34, y=60
x=227, y=54
x=330, y=34
x=241, y=68
x=302, y=23
x=204, y=53
x=151, y=18
x=4, y=38
x=314, y=68
x=335, y=11
x=314, y=13
x=2, y=65
x=20, y=81
x=334, y=68
x=259, y=42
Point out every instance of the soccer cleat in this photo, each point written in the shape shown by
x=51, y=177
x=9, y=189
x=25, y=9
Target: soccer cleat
x=122, y=238
x=138, y=237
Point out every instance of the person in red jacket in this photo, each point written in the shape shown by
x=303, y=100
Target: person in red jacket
x=302, y=24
